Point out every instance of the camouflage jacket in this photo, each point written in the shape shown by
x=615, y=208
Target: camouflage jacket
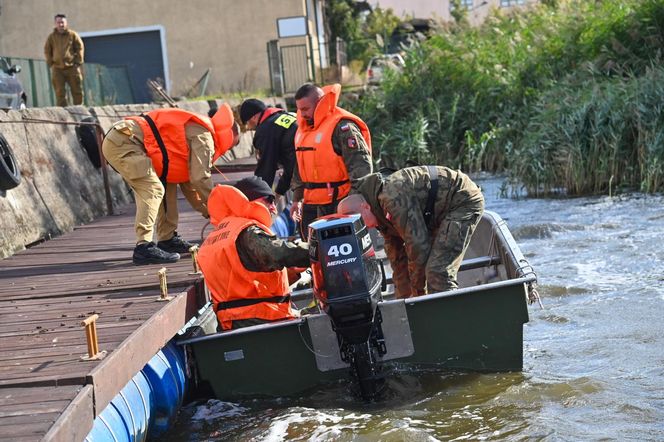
x=399, y=202
x=352, y=146
x=260, y=252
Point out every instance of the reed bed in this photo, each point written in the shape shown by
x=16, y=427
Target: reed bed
x=565, y=98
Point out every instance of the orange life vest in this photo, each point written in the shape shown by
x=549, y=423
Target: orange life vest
x=238, y=293
x=171, y=159
x=171, y=162
x=322, y=171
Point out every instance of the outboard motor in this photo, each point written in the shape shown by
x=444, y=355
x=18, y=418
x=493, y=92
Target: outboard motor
x=347, y=281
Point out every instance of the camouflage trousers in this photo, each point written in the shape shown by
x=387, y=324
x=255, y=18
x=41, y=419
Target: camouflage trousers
x=449, y=246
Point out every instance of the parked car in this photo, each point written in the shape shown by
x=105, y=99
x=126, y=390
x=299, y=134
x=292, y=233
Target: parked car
x=378, y=65
x=12, y=94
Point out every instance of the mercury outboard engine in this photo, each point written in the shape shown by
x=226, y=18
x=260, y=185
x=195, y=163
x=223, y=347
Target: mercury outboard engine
x=347, y=280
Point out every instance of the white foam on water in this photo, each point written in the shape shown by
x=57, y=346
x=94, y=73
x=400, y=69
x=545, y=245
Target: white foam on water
x=597, y=273
x=327, y=428
x=409, y=434
x=215, y=409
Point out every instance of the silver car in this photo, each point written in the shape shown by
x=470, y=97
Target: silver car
x=378, y=65
x=12, y=94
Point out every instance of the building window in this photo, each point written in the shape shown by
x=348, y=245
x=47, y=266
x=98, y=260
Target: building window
x=468, y=4
x=508, y=3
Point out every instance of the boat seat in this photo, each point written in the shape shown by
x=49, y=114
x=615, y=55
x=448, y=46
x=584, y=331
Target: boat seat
x=479, y=262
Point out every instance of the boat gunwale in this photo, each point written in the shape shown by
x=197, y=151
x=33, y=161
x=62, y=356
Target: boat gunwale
x=498, y=226
x=423, y=298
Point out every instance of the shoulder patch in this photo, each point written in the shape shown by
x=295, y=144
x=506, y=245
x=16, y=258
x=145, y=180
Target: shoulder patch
x=352, y=143
x=285, y=120
x=345, y=127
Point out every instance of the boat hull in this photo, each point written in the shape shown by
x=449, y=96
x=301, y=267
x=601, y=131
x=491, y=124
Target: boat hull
x=478, y=327
x=468, y=329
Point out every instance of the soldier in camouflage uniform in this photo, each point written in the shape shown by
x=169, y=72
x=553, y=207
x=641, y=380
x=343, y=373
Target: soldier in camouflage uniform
x=262, y=252
x=350, y=141
x=424, y=259
x=246, y=267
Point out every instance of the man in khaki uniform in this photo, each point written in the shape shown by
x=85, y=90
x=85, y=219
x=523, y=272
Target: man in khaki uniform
x=426, y=231
x=124, y=148
x=64, y=55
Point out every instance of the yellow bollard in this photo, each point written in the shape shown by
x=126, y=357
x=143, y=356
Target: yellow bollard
x=163, y=285
x=194, y=257
x=90, y=325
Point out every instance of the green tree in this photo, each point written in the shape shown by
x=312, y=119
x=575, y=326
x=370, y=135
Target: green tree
x=458, y=12
x=343, y=20
x=359, y=29
x=381, y=22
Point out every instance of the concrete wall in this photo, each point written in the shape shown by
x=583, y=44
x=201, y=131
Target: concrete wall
x=228, y=36
x=60, y=188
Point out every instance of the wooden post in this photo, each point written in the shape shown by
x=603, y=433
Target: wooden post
x=194, y=256
x=90, y=325
x=163, y=285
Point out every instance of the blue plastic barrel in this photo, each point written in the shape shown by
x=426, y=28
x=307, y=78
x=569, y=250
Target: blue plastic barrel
x=148, y=404
x=109, y=426
x=165, y=372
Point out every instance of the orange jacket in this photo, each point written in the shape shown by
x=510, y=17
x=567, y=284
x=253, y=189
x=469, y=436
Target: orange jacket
x=238, y=293
x=172, y=164
x=322, y=171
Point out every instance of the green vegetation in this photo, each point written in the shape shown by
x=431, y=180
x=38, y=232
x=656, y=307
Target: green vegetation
x=359, y=28
x=566, y=96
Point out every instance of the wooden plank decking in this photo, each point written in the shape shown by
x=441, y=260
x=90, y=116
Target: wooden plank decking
x=46, y=391
x=28, y=413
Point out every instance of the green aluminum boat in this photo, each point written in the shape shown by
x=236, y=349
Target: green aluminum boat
x=478, y=327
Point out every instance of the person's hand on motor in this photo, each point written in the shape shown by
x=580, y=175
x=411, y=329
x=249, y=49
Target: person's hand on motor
x=296, y=211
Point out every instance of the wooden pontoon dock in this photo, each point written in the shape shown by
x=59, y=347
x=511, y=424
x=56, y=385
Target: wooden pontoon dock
x=47, y=390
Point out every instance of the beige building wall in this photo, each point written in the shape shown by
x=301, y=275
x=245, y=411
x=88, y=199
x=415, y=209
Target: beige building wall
x=415, y=8
x=228, y=36
x=477, y=9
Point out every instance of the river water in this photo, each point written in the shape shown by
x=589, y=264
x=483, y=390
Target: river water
x=593, y=357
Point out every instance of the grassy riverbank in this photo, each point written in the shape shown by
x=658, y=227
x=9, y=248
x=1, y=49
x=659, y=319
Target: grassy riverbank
x=566, y=98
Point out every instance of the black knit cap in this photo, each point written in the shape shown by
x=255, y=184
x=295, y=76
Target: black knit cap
x=254, y=187
x=249, y=108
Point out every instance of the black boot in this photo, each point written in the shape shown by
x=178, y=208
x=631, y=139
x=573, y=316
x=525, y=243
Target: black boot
x=175, y=244
x=149, y=253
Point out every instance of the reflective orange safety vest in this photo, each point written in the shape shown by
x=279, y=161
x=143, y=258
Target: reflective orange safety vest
x=238, y=293
x=322, y=171
x=165, y=141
